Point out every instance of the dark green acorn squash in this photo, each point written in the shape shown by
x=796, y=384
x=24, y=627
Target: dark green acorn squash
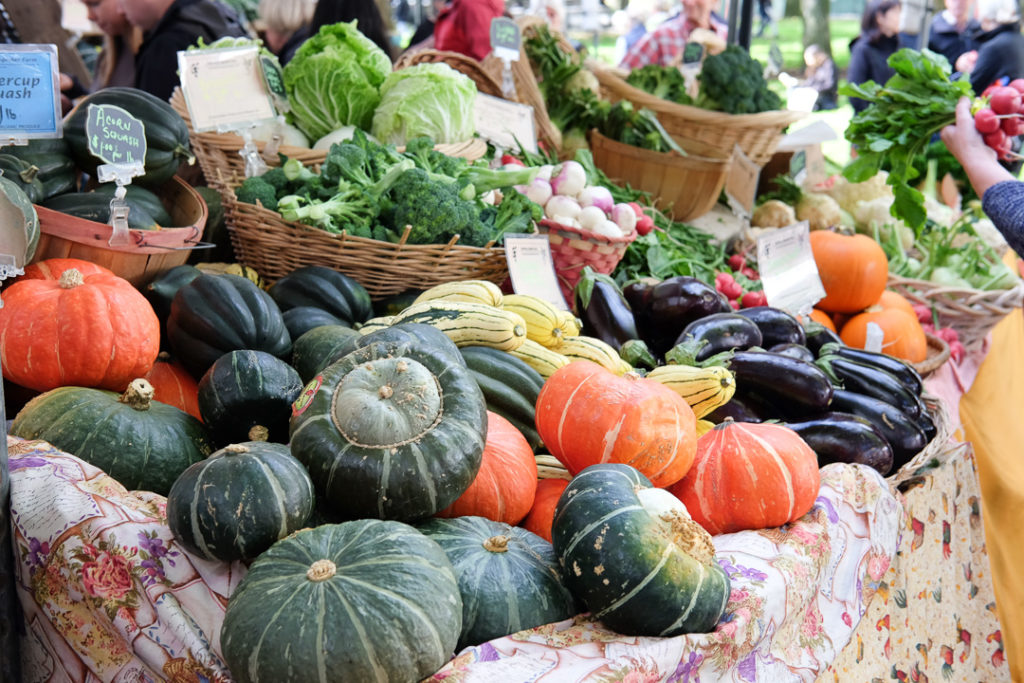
x=508, y=577
x=161, y=290
x=215, y=314
x=167, y=142
x=633, y=556
x=94, y=206
x=24, y=174
x=52, y=158
x=247, y=396
x=312, y=351
x=394, y=430
x=239, y=501
x=326, y=289
x=142, y=443
x=302, y=319
x=396, y=303
x=140, y=196
x=359, y=601
x=510, y=387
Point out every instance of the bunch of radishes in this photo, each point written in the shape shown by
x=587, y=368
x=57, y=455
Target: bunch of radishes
x=742, y=287
x=956, y=348
x=1003, y=118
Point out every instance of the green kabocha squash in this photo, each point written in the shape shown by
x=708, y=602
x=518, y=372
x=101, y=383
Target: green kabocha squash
x=20, y=234
x=239, y=501
x=314, y=350
x=215, y=314
x=326, y=289
x=247, y=396
x=24, y=174
x=142, y=443
x=394, y=430
x=167, y=142
x=508, y=577
x=510, y=387
x=633, y=556
x=52, y=159
x=302, y=319
x=363, y=601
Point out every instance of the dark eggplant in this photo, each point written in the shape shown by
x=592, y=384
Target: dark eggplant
x=738, y=409
x=777, y=326
x=672, y=305
x=603, y=310
x=842, y=437
x=717, y=333
x=638, y=293
x=798, y=351
x=818, y=335
x=870, y=381
x=926, y=424
x=793, y=385
x=894, y=366
x=904, y=435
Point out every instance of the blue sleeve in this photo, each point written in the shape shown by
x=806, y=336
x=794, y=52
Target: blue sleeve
x=1004, y=205
x=857, y=73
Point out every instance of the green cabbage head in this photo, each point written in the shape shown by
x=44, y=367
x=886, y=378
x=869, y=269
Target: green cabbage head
x=430, y=99
x=334, y=80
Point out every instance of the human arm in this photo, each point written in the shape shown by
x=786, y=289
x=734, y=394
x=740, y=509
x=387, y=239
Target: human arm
x=857, y=73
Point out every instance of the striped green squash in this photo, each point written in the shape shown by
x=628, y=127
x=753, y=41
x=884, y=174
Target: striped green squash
x=365, y=600
x=508, y=577
x=510, y=387
x=469, y=324
x=633, y=556
x=239, y=501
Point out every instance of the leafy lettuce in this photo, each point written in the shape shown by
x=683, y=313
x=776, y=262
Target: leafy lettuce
x=334, y=79
x=432, y=100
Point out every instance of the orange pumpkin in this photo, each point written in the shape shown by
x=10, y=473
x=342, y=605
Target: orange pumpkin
x=543, y=511
x=891, y=299
x=902, y=334
x=587, y=415
x=821, y=317
x=853, y=270
x=504, y=488
x=173, y=385
x=51, y=268
x=749, y=476
x=91, y=331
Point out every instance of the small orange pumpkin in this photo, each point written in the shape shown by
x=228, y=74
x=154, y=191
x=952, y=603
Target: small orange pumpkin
x=588, y=415
x=902, y=334
x=821, y=317
x=853, y=270
x=51, y=268
x=173, y=385
x=504, y=488
x=542, y=514
x=891, y=299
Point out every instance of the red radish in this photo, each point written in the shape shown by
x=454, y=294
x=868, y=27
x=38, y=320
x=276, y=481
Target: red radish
x=986, y=121
x=995, y=140
x=1017, y=84
x=737, y=262
x=1013, y=126
x=751, y=299
x=1005, y=100
x=735, y=303
x=947, y=334
x=509, y=159
x=750, y=273
x=924, y=314
x=644, y=225
x=1004, y=150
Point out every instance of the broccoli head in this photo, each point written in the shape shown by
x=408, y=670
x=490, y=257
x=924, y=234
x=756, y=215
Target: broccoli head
x=733, y=81
x=433, y=209
x=256, y=189
x=421, y=150
x=666, y=82
x=277, y=178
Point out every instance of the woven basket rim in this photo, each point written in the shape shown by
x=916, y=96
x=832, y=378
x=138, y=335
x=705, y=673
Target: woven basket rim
x=934, y=450
x=586, y=235
x=934, y=361
x=671, y=157
x=933, y=289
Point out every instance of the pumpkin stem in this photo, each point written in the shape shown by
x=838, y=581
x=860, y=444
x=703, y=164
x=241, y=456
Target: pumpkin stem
x=139, y=393
x=496, y=544
x=164, y=357
x=385, y=392
x=236, y=449
x=70, y=278
x=259, y=433
x=321, y=570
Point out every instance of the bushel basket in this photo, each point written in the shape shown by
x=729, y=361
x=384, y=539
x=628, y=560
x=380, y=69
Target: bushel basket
x=572, y=248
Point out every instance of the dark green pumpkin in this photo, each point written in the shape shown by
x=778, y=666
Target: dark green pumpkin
x=161, y=290
x=510, y=387
x=24, y=174
x=360, y=601
x=394, y=430
x=167, y=141
x=633, y=556
x=215, y=314
x=239, y=501
x=302, y=319
x=508, y=577
x=326, y=289
x=313, y=351
x=142, y=443
x=95, y=207
x=247, y=396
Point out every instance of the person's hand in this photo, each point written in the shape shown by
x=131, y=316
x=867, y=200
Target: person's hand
x=965, y=62
x=963, y=140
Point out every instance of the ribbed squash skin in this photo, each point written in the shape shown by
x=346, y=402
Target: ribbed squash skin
x=214, y=314
x=161, y=290
x=143, y=449
x=635, y=571
x=312, y=351
x=19, y=211
x=173, y=385
x=394, y=430
x=390, y=612
x=305, y=318
x=510, y=387
x=508, y=577
x=239, y=501
x=244, y=390
x=52, y=268
x=326, y=289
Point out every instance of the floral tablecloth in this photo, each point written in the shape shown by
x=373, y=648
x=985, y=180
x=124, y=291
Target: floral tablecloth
x=109, y=596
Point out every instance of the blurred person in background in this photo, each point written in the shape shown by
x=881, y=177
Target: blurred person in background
x=285, y=25
x=630, y=25
x=820, y=75
x=464, y=26
x=425, y=30
x=869, y=51
x=952, y=30
x=116, y=63
x=552, y=11
x=1000, y=45
x=371, y=22
x=665, y=44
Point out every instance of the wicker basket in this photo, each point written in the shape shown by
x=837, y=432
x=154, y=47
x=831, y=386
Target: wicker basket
x=971, y=312
x=572, y=248
x=758, y=135
x=938, y=354
x=932, y=455
x=686, y=187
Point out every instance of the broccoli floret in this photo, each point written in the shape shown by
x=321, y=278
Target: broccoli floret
x=666, y=82
x=348, y=208
x=296, y=172
x=277, y=178
x=421, y=150
x=433, y=209
x=733, y=81
x=348, y=162
x=256, y=189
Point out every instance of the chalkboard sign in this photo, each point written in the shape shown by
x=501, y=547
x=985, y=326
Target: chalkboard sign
x=114, y=135
x=274, y=79
x=505, y=38
x=29, y=94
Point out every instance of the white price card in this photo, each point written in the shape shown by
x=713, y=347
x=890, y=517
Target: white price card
x=504, y=123
x=29, y=92
x=789, y=274
x=531, y=269
x=741, y=183
x=224, y=88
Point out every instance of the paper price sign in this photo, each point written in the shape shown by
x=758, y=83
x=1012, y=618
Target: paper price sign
x=789, y=274
x=225, y=89
x=531, y=269
x=114, y=135
x=505, y=38
x=29, y=92
x=504, y=123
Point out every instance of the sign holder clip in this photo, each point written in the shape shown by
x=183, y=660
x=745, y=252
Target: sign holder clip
x=122, y=175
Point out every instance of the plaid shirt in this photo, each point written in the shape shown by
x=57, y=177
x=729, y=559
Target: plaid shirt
x=664, y=45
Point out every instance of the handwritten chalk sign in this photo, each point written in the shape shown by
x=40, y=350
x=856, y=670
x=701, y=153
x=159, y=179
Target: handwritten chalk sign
x=114, y=135
x=29, y=92
x=505, y=38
